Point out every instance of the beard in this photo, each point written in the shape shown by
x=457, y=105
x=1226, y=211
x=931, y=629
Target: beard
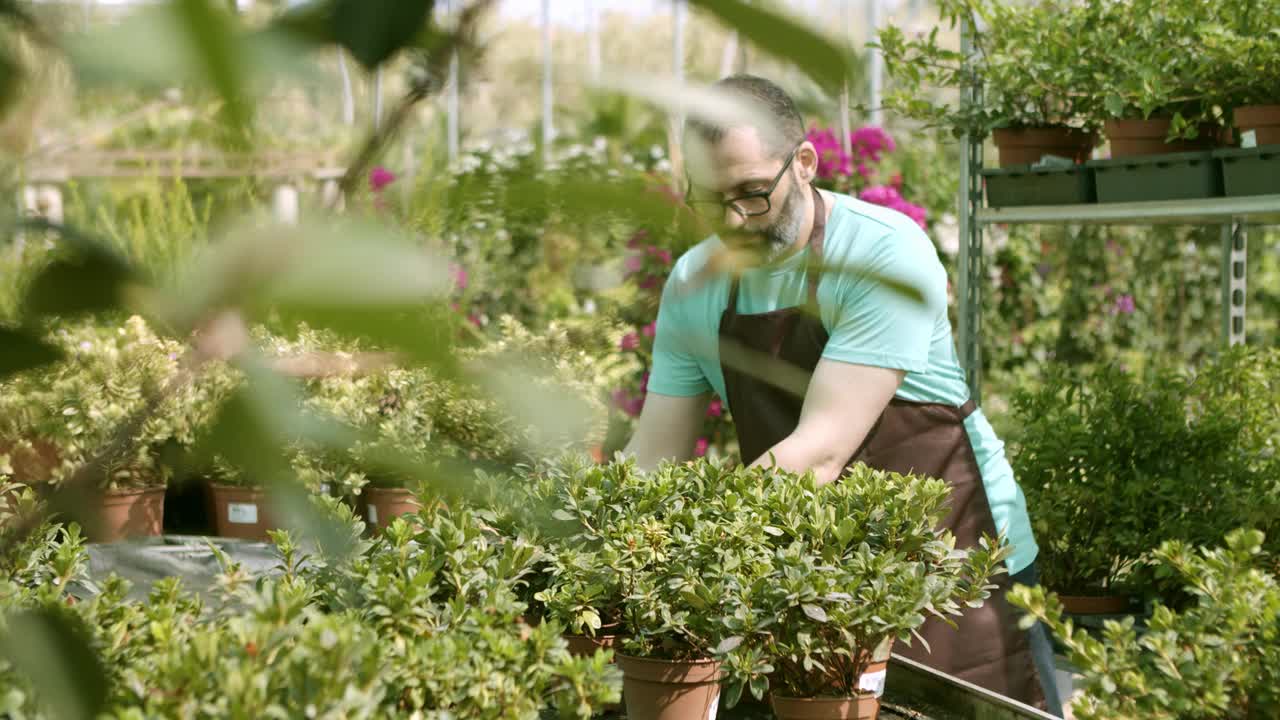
x=783, y=232
x=775, y=239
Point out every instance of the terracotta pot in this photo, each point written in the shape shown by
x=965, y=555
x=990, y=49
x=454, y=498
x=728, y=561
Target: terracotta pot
x=382, y=505
x=668, y=690
x=127, y=513
x=1025, y=146
x=861, y=707
x=1136, y=138
x=1261, y=120
x=586, y=645
x=241, y=512
x=1094, y=604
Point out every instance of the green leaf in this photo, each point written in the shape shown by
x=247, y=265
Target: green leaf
x=212, y=36
x=374, y=30
x=562, y=515
x=781, y=35
x=23, y=350
x=814, y=612
x=53, y=650
x=729, y=644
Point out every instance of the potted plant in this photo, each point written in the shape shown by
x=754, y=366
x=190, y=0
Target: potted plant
x=1027, y=63
x=855, y=565
x=71, y=412
x=1244, y=52
x=688, y=568
x=1113, y=463
x=1216, y=659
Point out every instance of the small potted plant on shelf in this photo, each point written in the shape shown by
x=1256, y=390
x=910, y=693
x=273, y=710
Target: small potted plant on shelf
x=1027, y=64
x=857, y=565
x=70, y=413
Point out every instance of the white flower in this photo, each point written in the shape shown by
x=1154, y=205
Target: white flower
x=656, y=152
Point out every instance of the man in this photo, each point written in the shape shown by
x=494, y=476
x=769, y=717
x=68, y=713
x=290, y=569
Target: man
x=879, y=379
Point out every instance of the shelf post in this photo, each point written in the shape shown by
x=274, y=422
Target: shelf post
x=1234, y=290
x=971, y=240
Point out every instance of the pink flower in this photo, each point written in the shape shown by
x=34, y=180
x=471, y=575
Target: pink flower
x=630, y=341
x=865, y=171
x=700, y=447
x=896, y=181
x=649, y=282
x=475, y=320
x=628, y=403
x=1125, y=305
x=633, y=264
x=634, y=241
x=459, y=276
x=885, y=195
x=870, y=142
x=379, y=178
x=832, y=159
x=644, y=382
x=661, y=253
x=650, y=330
x=715, y=409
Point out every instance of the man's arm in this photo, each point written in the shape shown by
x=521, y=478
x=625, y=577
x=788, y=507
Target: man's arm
x=840, y=407
x=668, y=429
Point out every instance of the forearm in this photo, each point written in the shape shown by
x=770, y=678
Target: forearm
x=800, y=453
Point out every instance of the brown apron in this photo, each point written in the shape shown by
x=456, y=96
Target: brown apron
x=987, y=649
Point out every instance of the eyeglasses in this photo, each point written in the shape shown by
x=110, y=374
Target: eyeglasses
x=748, y=205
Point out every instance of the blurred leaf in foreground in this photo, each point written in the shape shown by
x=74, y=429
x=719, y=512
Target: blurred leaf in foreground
x=52, y=649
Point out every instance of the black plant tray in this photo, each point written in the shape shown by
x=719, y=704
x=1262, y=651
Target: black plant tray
x=1179, y=176
x=1023, y=185
x=1250, y=171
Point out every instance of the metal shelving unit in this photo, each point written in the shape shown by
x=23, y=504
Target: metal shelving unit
x=1234, y=214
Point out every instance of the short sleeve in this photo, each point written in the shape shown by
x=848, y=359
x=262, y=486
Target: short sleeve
x=878, y=325
x=676, y=370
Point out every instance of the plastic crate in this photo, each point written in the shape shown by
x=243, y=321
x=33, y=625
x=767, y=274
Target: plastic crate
x=1250, y=171
x=1179, y=176
x=1024, y=185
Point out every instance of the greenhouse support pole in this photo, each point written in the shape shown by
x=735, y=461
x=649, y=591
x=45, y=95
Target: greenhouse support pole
x=874, y=73
x=348, y=97
x=1234, y=285
x=548, y=132
x=377, y=99
x=676, y=128
x=593, y=40
x=971, y=255
x=846, y=126
x=454, y=105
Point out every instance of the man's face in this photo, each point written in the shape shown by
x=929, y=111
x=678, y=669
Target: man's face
x=739, y=164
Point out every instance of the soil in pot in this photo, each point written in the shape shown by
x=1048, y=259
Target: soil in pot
x=1136, y=138
x=122, y=514
x=670, y=690
x=241, y=512
x=382, y=505
x=1095, y=604
x=1261, y=120
x=862, y=707
x=1026, y=146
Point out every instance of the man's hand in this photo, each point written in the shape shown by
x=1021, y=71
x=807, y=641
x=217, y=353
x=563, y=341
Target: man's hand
x=840, y=407
x=668, y=429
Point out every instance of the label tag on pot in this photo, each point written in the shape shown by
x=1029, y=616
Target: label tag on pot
x=1249, y=139
x=373, y=515
x=242, y=513
x=324, y=488
x=873, y=682
x=715, y=707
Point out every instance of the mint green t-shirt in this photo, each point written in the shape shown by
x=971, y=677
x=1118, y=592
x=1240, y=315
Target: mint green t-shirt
x=868, y=324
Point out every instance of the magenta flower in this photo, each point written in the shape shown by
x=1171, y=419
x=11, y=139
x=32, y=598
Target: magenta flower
x=715, y=408
x=650, y=330
x=885, y=195
x=870, y=142
x=832, y=159
x=459, y=276
x=379, y=178
x=700, y=447
x=634, y=241
x=633, y=264
x=1125, y=305
x=896, y=181
x=661, y=253
x=649, y=282
x=630, y=341
x=644, y=382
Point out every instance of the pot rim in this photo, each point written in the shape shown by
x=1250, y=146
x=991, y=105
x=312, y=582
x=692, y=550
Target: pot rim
x=676, y=672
